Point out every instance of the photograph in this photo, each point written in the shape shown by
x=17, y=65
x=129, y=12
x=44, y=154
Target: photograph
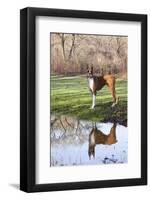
x=88, y=99
x=83, y=99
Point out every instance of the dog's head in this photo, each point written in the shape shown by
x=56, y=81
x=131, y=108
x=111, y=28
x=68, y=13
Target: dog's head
x=89, y=71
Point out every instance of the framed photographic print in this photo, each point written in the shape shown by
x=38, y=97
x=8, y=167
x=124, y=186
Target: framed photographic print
x=83, y=99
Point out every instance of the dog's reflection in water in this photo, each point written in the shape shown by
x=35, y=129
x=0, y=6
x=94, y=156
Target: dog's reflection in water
x=98, y=137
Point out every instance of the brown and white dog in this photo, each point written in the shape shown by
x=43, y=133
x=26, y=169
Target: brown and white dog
x=98, y=137
x=96, y=83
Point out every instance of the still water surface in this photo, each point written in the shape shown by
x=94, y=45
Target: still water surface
x=78, y=142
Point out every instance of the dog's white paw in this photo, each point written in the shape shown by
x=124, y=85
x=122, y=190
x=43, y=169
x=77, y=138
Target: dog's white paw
x=113, y=105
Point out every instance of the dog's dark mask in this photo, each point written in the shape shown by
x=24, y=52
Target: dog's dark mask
x=90, y=72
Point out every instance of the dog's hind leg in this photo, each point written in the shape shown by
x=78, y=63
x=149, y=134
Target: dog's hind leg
x=114, y=96
x=111, y=86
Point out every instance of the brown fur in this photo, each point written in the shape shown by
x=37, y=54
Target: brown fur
x=101, y=81
x=100, y=138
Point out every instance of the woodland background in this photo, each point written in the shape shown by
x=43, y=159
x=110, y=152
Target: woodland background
x=71, y=53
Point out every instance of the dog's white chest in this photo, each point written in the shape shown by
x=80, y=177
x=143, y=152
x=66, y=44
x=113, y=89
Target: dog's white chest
x=92, y=139
x=91, y=83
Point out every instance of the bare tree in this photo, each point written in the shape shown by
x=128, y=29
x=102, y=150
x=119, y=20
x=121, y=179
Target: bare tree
x=70, y=53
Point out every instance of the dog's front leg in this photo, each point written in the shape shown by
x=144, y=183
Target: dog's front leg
x=93, y=100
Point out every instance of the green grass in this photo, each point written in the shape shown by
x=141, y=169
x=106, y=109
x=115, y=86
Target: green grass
x=71, y=96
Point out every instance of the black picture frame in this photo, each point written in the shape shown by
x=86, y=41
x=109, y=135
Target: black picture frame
x=28, y=99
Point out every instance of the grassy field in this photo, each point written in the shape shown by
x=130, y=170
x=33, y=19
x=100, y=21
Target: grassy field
x=71, y=96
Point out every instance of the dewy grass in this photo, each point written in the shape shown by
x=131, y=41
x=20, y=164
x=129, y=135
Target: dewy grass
x=71, y=96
